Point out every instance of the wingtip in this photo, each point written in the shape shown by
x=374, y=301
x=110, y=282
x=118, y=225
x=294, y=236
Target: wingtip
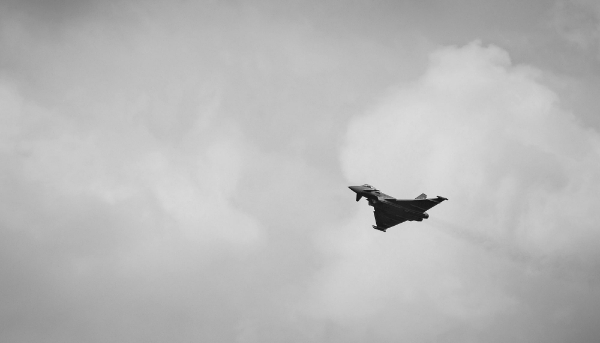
x=378, y=228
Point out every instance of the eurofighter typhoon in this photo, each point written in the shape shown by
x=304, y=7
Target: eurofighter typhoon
x=390, y=211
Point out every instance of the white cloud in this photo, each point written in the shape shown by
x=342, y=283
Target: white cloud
x=490, y=135
x=522, y=178
x=164, y=167
x=116, y=194
x=123, y=169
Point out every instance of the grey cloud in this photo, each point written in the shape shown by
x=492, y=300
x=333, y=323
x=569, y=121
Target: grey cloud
x=117, y=192
x=578, y=23
x=172, y=173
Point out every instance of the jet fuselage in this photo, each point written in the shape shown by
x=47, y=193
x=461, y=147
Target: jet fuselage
x=381, y=200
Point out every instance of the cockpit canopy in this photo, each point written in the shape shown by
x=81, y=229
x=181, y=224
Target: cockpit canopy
x=371, y=187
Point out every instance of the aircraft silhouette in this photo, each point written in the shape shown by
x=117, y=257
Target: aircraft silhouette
x=390, y=211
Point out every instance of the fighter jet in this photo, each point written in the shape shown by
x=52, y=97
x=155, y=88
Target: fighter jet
x=390, y=211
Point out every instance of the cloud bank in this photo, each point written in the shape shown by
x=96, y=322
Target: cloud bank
x=117, y=183
x=518, y=240
x=170, y=173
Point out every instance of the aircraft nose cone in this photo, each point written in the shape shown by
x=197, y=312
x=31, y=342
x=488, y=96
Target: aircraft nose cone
x=358, y=191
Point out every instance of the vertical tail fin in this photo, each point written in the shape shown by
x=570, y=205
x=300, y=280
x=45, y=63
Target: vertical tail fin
x=422, y=196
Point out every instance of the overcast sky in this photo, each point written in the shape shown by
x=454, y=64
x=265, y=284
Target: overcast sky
x=177, y=171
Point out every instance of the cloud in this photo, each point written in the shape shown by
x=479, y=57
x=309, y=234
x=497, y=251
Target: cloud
x=578, y=22
x=490, y=128
x=164, y=169
x=521, y=176
x=100, y=220
x=118, y=179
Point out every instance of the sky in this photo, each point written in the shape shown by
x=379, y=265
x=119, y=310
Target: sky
x=177, y=171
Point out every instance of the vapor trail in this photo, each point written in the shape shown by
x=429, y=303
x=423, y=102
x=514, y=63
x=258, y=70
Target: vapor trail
x=484, y=241
x=561, y=267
